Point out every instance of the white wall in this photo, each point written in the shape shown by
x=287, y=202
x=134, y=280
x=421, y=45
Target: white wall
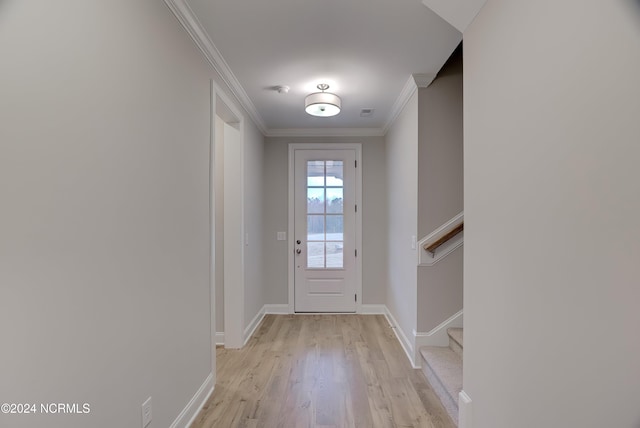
x=374, y=221
x=440, y=189
x=219, y=222
x=551, y=206
x=253, y=217
x=104, y=183
x=234, y=227
x=275, y=191
x=402, y=208
x=275, y=211
x=440, y=133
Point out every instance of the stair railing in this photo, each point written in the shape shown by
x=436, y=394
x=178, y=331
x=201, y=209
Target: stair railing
x=442, y=241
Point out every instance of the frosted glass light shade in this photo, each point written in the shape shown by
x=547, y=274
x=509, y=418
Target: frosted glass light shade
x=323, y=104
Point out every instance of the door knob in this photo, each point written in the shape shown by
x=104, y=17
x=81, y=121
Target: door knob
x=298, y=242
x=298, y=251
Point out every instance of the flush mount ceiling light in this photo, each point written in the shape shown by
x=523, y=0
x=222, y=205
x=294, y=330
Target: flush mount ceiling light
x=323, y=104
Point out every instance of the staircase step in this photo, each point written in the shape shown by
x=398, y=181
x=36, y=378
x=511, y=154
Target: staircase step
x=443, y=369
x=455, y=340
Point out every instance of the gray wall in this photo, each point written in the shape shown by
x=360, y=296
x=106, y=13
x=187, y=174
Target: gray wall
x=551, y=202
x=219, y=223
x=440, y=190
x=254, y=297
x=252, y=169
x=401, y=145
x=104, y=183
x=374, y=221
x=276, y=212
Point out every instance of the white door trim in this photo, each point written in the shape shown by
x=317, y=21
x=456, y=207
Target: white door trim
x=291, y=219
x=233, y=229
x=212, y=223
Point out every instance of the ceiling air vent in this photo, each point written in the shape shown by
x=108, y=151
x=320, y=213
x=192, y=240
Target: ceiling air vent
x=367, y=112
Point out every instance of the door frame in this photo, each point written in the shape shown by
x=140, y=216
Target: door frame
x=291, y=219
x=233, y=231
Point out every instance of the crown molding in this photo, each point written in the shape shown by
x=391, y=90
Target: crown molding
x=458, y=13
x=416, y=81
x=423, y=80
x=187, y=18
x=325, y=132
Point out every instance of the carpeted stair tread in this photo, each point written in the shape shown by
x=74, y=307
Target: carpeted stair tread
x=443, y=369
x=456, y=334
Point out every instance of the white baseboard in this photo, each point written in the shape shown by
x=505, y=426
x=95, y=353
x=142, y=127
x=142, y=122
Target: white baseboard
x=402, y=337
x=255, y=322
x=276, y=309
x=464, y=412
x=189, y=413
x=253, y=325
x=220, y=338
x=437, y=336
x=373, y=309
x=283, y=309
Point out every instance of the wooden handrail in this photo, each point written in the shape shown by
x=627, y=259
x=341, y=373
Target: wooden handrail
x=433, y=246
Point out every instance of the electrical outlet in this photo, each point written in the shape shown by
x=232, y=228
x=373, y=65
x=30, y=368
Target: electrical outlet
x=281, y=236
x=147, y=413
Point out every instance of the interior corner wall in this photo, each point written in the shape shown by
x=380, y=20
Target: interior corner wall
x=276, y=200
x=104, y=180
x=254, y=298
x=374, y=221
x=440, y=190
x=234, y=230
x=275, y=211
x=401, y=145
x=551, y=204
x=219, y=222
x=245, y=230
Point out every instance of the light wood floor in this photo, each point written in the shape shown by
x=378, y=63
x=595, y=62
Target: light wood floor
x=321, y=371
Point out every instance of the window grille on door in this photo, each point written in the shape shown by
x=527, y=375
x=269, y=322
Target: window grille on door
x=325, y=214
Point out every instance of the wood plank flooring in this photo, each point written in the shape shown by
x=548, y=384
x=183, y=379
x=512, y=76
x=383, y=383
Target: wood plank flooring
x=321, y=371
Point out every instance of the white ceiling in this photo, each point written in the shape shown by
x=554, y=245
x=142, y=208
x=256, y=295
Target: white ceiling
x=366, y=50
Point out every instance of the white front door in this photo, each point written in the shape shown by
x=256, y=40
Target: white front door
x=325, y=230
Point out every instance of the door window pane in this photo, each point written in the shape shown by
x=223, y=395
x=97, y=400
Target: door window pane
x=315, y=255
x=315, y=200
x=315, y=173
x=315, y=228
x=334, y=173
x=334, y=200
x=335, y=257
x=335, y=228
